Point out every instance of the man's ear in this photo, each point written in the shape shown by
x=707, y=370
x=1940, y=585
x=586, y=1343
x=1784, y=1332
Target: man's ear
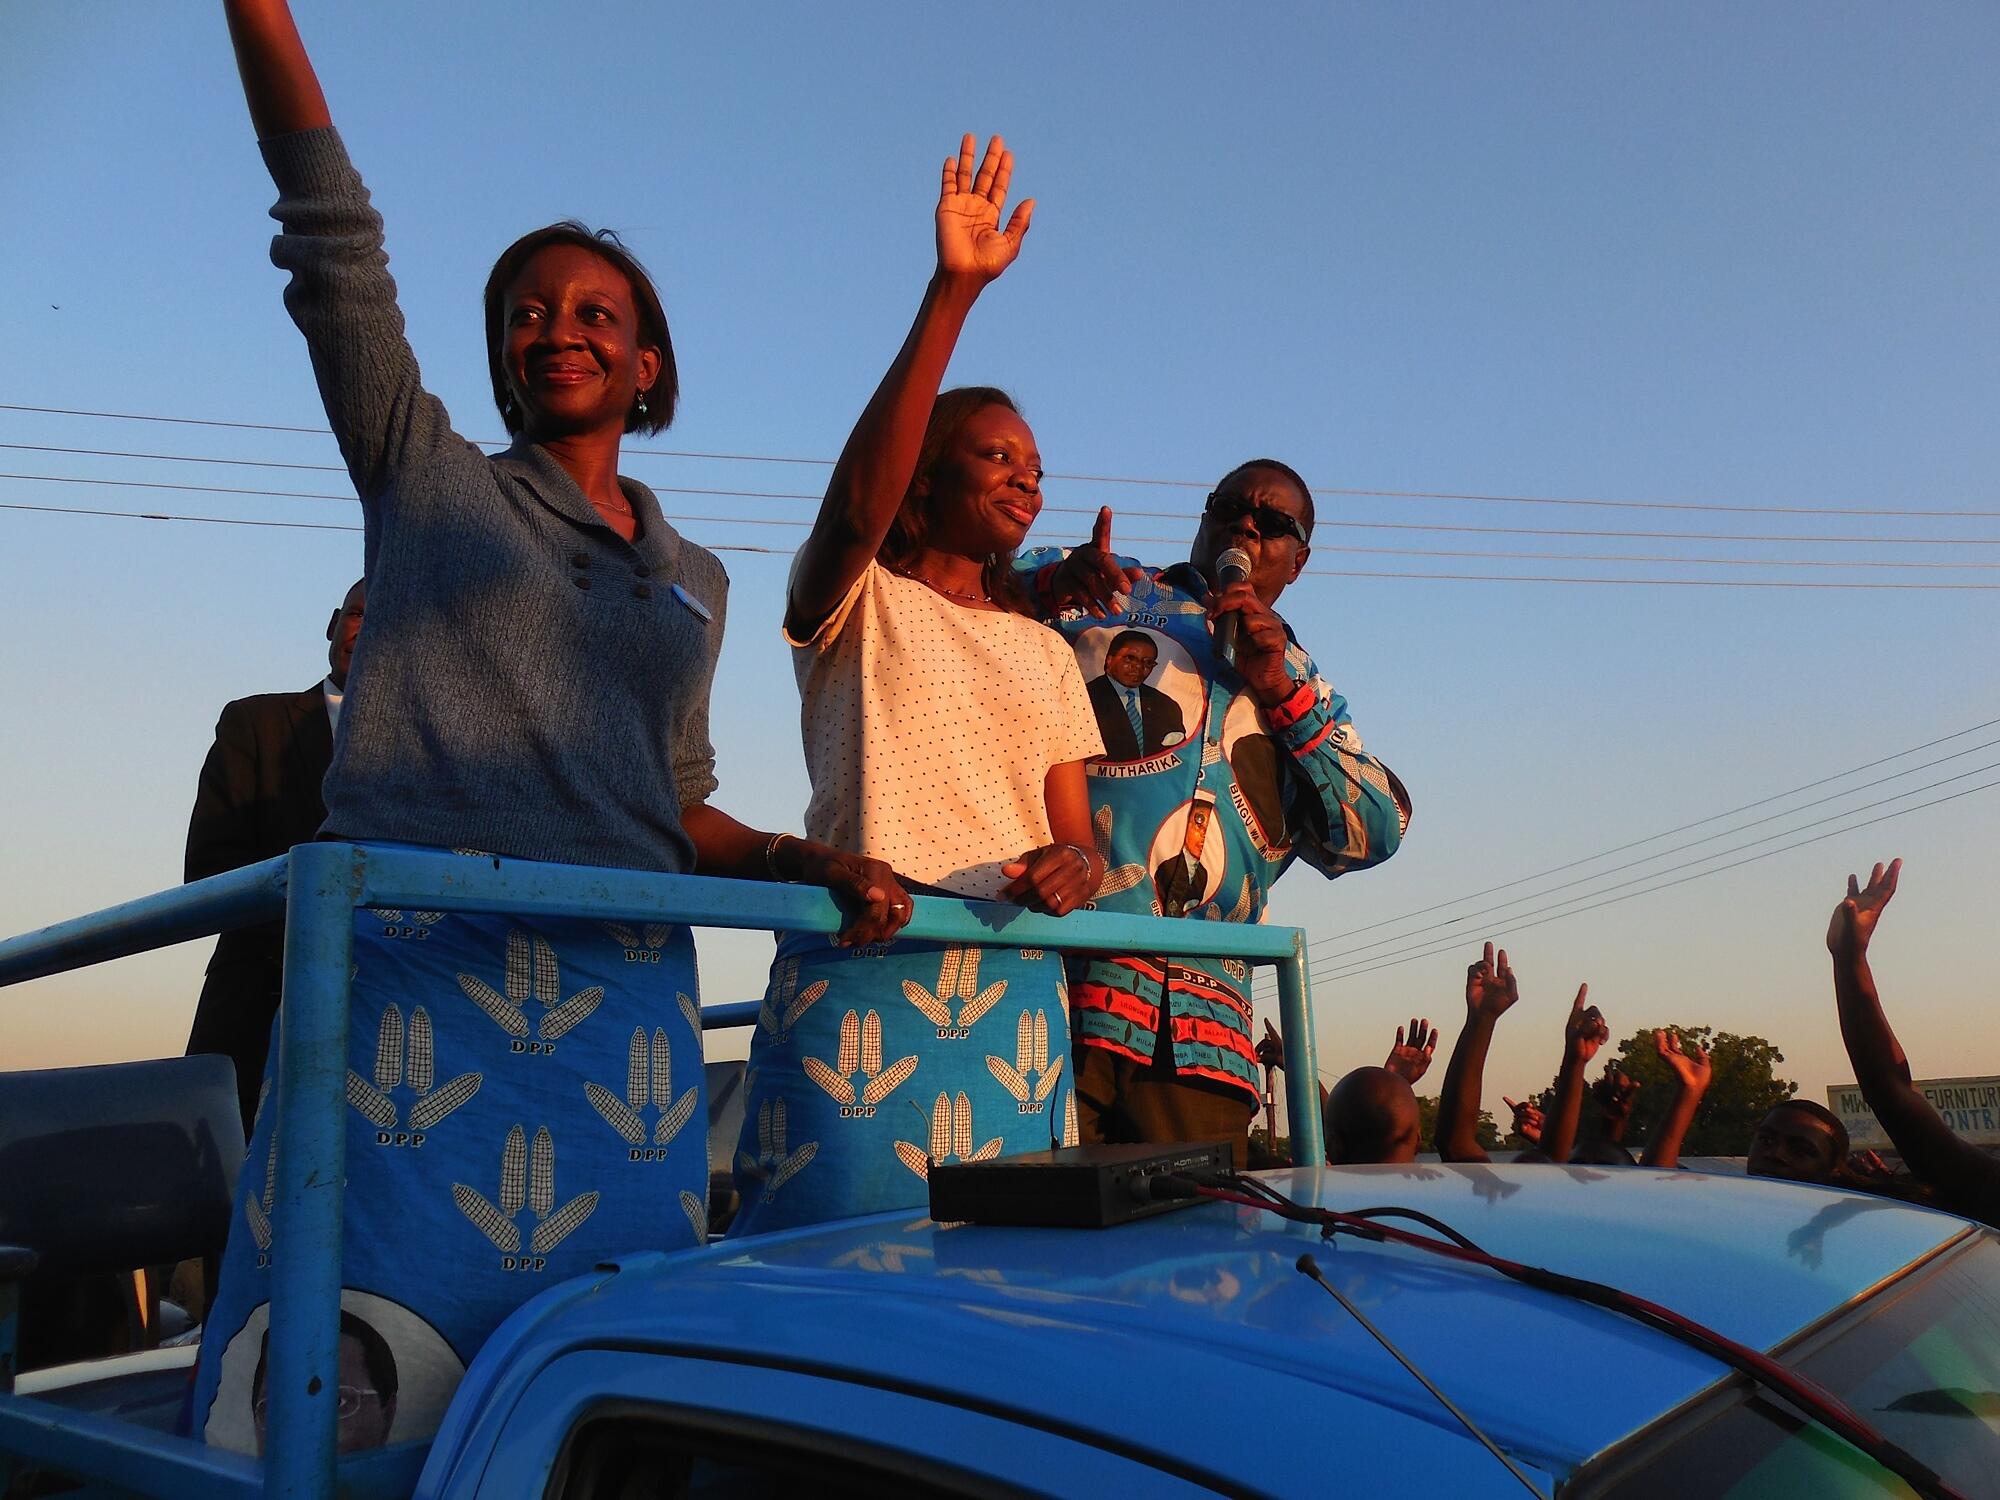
x=331, y=621
x=1299, y=561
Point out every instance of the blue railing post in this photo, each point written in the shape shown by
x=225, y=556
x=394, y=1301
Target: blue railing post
x=1301, y=1057
x=304, y=1382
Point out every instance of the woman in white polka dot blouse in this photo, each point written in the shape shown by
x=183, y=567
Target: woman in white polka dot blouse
x=945, y=732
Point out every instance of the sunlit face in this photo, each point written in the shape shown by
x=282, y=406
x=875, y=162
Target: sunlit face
x=1132, y=663
x=571, y=344
x=1275, y=558
x=985, y=490
x=1795, y=1146
x=342, y=631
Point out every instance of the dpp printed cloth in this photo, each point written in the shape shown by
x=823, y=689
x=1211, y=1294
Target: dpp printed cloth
x=1263, y=786
x=869, y=1064
x=525, y=1098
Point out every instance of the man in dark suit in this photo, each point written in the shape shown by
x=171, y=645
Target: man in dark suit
x=259, y=795
x=1135, y=718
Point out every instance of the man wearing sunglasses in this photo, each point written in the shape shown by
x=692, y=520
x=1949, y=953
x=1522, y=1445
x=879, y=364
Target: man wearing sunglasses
x=1275, y=772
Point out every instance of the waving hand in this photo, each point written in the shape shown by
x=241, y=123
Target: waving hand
x=970, y=241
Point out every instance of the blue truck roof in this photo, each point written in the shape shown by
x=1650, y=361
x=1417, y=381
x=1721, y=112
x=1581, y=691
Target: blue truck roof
x=1193, y=1338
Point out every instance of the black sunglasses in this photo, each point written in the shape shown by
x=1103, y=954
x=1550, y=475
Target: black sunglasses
x=1270, y=520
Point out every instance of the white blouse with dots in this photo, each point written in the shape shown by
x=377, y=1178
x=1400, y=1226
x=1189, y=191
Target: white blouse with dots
x=929, y=728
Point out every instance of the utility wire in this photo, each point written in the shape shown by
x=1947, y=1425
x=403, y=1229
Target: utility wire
x=1703, y=536
x=1190, y=484
x=1336, y=963
x=1448, y=946
x=1866, y=765
x=1335, y=958
x=1722, y=583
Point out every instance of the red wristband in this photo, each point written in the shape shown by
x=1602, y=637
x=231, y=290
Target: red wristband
x=1294, y=708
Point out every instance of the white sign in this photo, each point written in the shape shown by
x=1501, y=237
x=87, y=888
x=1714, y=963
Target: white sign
x=1970, y=1106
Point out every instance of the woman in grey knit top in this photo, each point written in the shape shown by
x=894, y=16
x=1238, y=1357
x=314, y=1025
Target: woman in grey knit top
x=525, y=1095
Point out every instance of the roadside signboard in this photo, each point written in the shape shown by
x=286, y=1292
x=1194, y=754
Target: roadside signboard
x=1971, y=1106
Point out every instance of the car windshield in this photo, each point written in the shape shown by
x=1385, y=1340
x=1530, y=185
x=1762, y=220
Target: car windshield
x=1920, y=1361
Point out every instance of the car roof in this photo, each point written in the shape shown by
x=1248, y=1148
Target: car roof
x=1202, y=1310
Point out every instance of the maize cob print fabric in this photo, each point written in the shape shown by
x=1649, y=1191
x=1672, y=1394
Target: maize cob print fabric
x=870, y=1064
x=524, y=1099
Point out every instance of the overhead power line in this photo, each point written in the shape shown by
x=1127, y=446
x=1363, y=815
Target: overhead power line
x=1517, y=927
x=1333, y=963
x=1355, y=491
x=1665, y=833
x=1633, y=864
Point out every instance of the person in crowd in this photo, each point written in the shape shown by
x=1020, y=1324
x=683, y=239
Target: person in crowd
x=1135, y=718
x=1271, y=770
x=1692, y=1072
x=1799, y=1141
x=1370, y=1115
x=1584, y=1032
x=532, y=684
x=258, y=796
x=945, y=731
x=1962, y=1178
x=1606, y=1116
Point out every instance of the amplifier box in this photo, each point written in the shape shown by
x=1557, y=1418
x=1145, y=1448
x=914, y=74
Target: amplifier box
x=1076, y=1187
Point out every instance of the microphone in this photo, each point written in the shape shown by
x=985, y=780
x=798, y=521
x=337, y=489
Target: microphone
x=1232, y=567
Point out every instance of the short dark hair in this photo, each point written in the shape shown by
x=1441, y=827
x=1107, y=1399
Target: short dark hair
x=1288, y=471
x=1826, y=1117
x=1132, y=638
x=376, y=1356
x=653, y=333
x=909, y=530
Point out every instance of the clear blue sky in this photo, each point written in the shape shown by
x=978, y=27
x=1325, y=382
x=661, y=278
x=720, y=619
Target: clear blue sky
x=1692, y=253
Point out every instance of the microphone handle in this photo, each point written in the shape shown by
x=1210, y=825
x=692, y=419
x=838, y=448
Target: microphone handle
x=1225, y=636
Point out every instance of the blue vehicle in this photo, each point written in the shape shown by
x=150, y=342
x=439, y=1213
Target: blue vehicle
x=1225, y=1347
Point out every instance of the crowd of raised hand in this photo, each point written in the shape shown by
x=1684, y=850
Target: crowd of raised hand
x=1372, y=1113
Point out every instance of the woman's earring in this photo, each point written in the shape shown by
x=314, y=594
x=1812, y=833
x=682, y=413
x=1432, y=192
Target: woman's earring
x=642, y=403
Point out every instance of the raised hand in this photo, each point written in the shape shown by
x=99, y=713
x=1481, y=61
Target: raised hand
x=1090, y=578
x=1527, y=1119
x=1056, y=878
x=1490, y=987
x=1412, y=1057
x=1584, y=1032
x=970, y=241
x=1854, y=919
x=1685, y=1060
x=1271, y=1049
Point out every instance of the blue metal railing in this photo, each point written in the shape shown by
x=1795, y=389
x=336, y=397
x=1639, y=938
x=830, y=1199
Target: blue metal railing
x=316, y=888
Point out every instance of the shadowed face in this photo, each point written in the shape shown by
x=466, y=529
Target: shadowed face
x=572, y=355
x=985, y=490
x=1793, y=1145
x=364, y=1415
x=1132, y=663
x=342, y=631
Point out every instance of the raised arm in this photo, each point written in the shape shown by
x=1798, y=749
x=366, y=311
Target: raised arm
x=1583, y=1033
x=1691, y=1070
x=278, y=79
x=876, y=466
x=1490, y=990
x=1929, y=1147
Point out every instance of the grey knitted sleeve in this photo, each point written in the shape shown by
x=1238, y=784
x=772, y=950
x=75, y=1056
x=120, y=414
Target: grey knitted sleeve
x=693, y=752
x=344, y=301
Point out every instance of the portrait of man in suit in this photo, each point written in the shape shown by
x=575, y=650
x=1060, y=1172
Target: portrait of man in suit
x=258, y=795
x=1135, y=718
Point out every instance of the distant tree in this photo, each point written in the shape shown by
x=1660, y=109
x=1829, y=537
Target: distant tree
x=1427, y=1111
x=1746, y=1087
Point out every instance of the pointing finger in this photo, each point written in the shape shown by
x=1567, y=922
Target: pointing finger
x=1100, y=534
